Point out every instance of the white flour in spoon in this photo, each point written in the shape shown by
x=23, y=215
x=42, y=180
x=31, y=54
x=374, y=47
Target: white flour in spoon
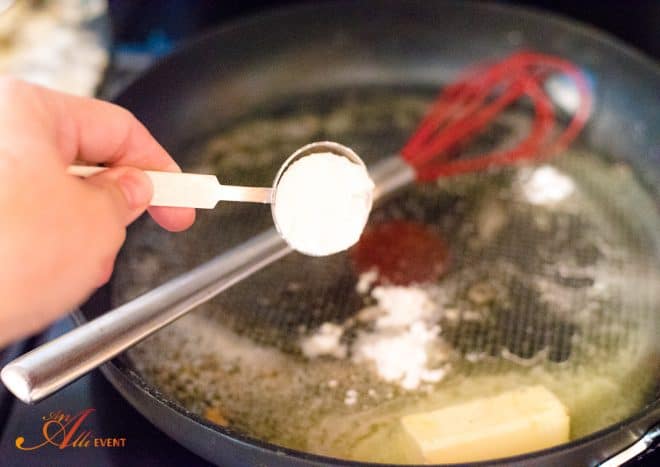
x=322, y=203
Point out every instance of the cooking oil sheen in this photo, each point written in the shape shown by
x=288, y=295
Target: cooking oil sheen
x=560, y=293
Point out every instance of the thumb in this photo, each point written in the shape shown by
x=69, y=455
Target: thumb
x=129, y=191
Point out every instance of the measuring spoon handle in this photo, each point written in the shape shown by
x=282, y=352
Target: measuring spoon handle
x=188, y=190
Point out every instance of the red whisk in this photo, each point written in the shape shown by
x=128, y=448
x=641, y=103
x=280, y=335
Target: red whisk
x=468, y=106
x=462, y=111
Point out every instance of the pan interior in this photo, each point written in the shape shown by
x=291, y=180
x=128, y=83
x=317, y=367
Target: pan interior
x=561, y=293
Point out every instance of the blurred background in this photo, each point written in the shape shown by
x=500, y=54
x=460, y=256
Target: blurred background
x=94, y=46
x=635, y=21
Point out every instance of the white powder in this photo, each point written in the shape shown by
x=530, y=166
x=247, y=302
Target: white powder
x=403, y=306
x=351, y=397
x=546, y=185
x=366, y=280
x=325, y=341
x=398, y=341
x=399, y=344
x=322, y=204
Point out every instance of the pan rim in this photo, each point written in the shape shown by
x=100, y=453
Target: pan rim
x=575, y=26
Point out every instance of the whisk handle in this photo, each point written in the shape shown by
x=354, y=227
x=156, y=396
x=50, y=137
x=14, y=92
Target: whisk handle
x=50, y=367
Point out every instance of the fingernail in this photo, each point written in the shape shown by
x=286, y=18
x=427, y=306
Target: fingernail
x=173, y=167
x=136, y=188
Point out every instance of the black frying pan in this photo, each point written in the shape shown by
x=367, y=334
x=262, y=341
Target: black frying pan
x=225, y=74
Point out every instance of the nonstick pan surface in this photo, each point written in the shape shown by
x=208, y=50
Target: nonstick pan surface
x=257, y=76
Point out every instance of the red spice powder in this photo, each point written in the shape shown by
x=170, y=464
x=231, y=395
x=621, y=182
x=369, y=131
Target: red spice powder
x=403, y=252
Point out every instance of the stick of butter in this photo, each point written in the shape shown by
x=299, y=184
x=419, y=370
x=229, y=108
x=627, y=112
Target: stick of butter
x=514, y=422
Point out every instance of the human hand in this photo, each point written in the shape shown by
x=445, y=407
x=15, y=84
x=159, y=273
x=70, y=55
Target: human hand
x=60, y=234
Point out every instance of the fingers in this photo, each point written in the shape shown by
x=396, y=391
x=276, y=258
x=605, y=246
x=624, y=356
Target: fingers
x=137, y=190
x=110, y=201
x=63, y=233
x=128, y=191
x=107, y=203
x=116, y=138
x=63, y=236
x=102, y=132
x=173, y=219
x=93, y=131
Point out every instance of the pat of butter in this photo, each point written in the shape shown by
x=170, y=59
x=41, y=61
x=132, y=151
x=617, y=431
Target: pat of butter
x=515, y=422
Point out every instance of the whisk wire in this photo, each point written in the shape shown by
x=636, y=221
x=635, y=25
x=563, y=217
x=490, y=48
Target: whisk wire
x=467, y=107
